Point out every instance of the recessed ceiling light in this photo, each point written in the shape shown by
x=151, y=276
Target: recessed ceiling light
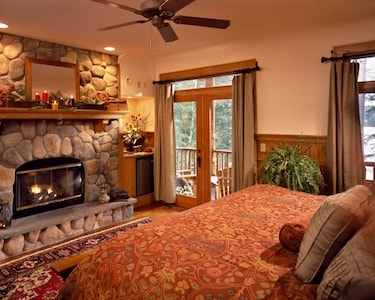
x=3, y=25
x=109, y=48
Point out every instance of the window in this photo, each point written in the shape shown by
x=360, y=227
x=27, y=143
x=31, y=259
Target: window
x=366, y=86
x=203, y=82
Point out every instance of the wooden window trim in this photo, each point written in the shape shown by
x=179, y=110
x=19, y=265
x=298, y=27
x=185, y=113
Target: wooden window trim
x=355, y=48
x=366, y=87
x=223, y=69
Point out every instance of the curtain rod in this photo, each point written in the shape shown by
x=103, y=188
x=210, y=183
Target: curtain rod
x=352, y=56
x=249, y=70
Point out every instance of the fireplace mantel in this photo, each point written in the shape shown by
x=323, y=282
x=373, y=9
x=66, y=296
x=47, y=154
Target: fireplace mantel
x=59, y=114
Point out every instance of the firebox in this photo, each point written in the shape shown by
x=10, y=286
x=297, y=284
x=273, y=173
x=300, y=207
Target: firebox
x=47, y=184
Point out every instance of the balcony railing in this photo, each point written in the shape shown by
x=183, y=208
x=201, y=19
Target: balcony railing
x=221, y=170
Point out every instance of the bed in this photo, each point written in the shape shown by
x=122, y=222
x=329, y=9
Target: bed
x=225, y=249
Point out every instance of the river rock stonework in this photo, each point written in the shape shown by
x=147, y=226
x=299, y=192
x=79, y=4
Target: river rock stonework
x=98, y=71
x=23, y=141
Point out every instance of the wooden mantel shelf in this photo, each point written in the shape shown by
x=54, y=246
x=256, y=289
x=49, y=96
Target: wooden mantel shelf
x=59, y=114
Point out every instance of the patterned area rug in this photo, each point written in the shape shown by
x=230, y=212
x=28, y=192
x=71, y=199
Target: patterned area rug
x=31, y=276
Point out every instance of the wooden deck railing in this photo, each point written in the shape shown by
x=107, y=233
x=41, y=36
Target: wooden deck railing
x=221, y=171
x=185, y=161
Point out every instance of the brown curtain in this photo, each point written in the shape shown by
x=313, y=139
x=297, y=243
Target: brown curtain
x=243, y=123
x=164, y=156
x=344, y=139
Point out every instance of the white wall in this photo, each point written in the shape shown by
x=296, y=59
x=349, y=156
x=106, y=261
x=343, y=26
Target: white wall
x=292, y=87
x=137, y=74
x=136, y=86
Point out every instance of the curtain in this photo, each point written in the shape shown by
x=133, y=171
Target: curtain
x=243, y=129
x=344, y=139
x=164, y=154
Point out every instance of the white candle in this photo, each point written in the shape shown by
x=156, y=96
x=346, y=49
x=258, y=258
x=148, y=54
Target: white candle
x=55, y=105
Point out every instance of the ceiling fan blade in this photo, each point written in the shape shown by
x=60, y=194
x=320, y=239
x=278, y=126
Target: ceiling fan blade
x=174, y=5
x=117, y=5
x=122, y=25
x=206, y=22
x=167, y=32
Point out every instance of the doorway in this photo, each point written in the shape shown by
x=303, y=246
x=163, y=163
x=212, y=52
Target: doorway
x=203, y=127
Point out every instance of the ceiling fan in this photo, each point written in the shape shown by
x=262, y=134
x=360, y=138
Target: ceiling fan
x=159, y=11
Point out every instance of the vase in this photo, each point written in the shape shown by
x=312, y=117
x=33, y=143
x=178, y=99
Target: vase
x=104, y=197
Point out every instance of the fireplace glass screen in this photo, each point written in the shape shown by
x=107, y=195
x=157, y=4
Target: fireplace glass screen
x=48, y=184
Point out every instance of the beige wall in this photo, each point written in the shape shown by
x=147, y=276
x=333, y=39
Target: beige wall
x=136, y=85
x=146, y=108
x=292, y=87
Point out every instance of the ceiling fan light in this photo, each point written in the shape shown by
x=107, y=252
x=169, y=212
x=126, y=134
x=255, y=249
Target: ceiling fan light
x=3, y=25
x=109, y=48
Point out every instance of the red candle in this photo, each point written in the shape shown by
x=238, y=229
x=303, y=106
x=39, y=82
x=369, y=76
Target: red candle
x=45, y=97
x=37, y=96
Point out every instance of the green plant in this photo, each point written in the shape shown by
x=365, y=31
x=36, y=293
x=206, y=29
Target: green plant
x=287, y=167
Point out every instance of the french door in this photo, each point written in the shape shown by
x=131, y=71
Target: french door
x=202, y=120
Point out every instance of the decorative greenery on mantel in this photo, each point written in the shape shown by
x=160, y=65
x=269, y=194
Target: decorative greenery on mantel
x=287, y=167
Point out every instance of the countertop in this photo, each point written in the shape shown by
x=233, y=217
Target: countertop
x=137, y=154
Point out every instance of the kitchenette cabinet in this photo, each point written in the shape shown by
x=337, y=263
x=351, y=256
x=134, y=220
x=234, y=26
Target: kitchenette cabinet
x=136, y=175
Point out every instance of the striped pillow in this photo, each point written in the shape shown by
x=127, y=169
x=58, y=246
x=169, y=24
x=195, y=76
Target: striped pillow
x=332, y=225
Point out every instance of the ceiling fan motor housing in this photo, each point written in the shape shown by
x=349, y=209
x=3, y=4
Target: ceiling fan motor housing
x=151, y=8
x=157, y=21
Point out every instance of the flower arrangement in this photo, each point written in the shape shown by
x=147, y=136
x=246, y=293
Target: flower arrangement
x=134, y=132
x=8, y=94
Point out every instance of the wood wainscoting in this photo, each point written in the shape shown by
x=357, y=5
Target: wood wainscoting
x=313, y=146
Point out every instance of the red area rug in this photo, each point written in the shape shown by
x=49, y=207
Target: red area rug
x=31, y=276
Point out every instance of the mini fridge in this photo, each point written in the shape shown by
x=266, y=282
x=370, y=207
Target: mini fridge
x=145, y=175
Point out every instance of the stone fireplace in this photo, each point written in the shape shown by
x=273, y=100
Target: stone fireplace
x=26, y=141
x=47, y=184
x=46, y=148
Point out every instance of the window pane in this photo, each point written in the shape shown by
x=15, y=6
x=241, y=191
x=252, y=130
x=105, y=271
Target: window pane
x=185, y=135
x=367, y=113
x=369, y=127
x=367, y=69
x=185, y=124
x=223, y=124
x=203, y=83
x=223, y=80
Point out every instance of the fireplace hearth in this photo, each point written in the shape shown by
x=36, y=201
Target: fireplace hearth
x=47, y=184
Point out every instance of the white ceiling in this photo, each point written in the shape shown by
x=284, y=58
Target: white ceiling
x=75, y=22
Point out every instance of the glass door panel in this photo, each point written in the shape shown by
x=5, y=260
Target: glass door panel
x=221, y=152
x=203, y=129
x=186, y=148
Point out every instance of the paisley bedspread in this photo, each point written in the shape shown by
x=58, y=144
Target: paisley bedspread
x=225, y=249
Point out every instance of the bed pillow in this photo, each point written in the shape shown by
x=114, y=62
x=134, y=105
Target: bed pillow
x=351, y=274
x=291, y=235
x=332, y=225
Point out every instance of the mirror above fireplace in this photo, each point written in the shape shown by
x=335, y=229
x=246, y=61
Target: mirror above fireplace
x=51, y=76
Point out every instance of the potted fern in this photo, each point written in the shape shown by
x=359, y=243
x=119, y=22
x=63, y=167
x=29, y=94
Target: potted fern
x=287, y=167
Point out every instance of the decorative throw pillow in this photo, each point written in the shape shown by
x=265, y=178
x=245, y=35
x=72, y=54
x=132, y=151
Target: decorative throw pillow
x=351, y=274
x=291, y=235
x=332, y=225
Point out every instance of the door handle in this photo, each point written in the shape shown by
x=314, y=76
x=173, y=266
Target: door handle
x=198, y=161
